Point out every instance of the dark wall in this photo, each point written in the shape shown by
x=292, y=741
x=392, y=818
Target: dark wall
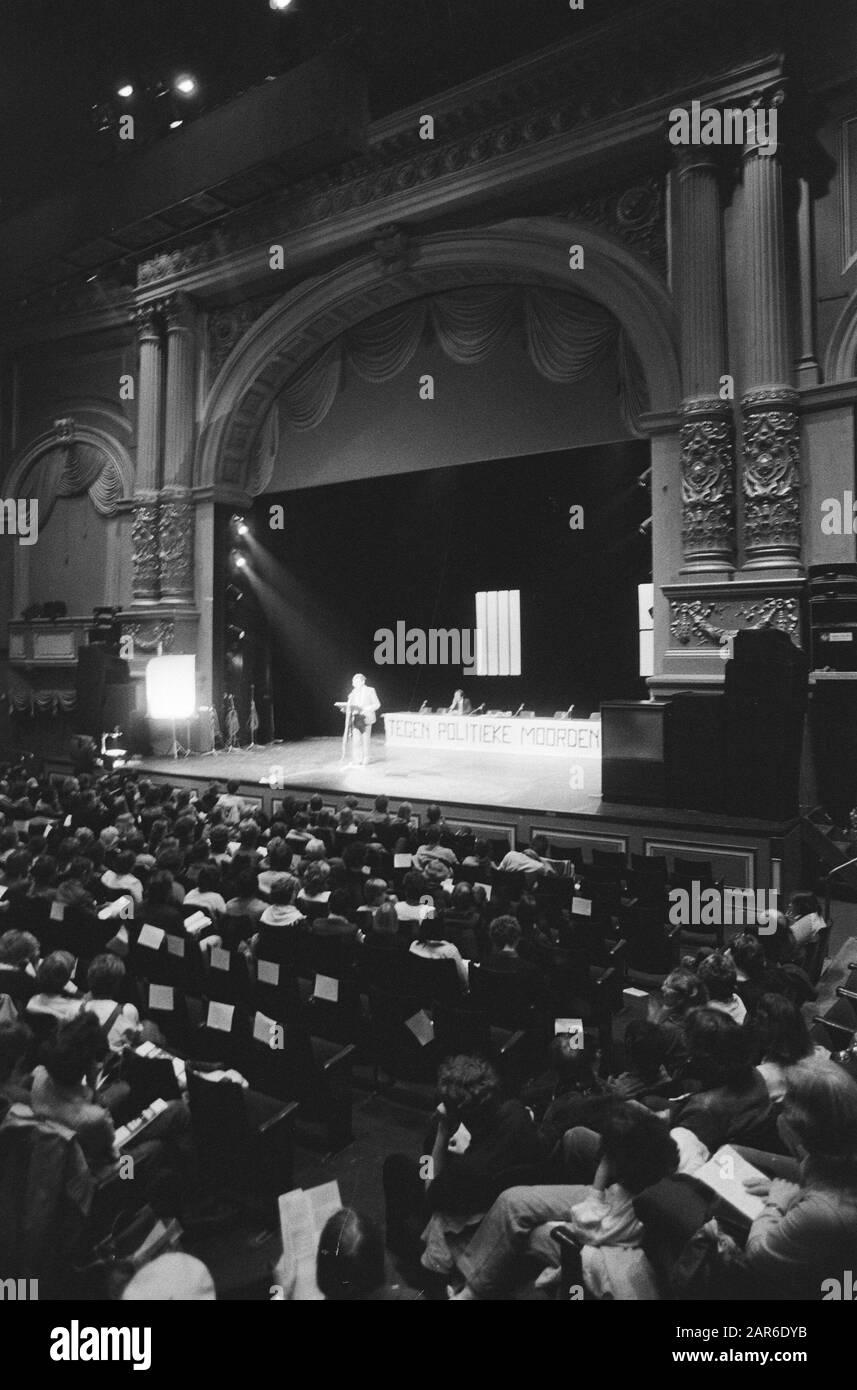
x=355, y=558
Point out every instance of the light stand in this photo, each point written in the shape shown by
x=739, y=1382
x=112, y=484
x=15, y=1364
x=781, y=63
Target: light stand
x=178, y=750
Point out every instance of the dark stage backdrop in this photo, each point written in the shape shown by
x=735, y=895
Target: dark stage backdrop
x=357, y=557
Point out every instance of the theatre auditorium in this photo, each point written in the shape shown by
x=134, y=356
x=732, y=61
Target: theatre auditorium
x=428, y=651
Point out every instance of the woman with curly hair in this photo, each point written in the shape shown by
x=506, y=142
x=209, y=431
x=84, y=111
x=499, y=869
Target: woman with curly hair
x=477, y=1141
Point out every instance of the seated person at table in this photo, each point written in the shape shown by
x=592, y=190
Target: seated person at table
x=337, y=922
x=804, y=918
x=207, y=893
x=105, y=981
x=681, y=993
x=478, y=1138
x=781, y=1039
x=246, y=902
x=635, y=1151
x=383, y=932
x=718, y=974
x=55, y=992
x=732, y=1104
x=159, y=908
x=505, y=936
x=481, y=859
x=430, y=946
x=434, y=859
x=121, y=878
x=807, y=1233
x=528, y=861
x=281, y=910
x=412, y=908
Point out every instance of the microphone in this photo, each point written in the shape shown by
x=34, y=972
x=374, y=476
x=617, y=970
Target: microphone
x=480, y=709
x=423, y=706
x=518, y=710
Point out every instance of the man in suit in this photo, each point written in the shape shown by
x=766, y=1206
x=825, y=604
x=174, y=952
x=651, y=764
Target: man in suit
x=363, y=704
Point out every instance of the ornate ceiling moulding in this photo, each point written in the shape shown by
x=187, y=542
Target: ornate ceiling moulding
x=515, y=112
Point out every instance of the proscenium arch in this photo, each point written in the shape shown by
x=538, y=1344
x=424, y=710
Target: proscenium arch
x=320, y=309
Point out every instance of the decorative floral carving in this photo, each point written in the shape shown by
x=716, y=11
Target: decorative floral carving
x=707, y=487
x=771, y=482
x=176, y=547
x=144, y=534
x=693, y=618
x=227, y=326
x=710, y=622
x=148, y=637
x=391, y=246
x=773, y=612
x=635, y=214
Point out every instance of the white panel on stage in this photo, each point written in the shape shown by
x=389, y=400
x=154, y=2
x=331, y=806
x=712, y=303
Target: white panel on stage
x=171, y=687
x=498, y=632
x=577, y=739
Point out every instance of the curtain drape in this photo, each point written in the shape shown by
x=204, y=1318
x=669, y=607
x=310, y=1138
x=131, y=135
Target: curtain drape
x=566, y=338
x=67, y=470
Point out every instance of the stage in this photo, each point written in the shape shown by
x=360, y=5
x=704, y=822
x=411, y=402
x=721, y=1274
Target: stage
x=402, y=774
x=503, y=796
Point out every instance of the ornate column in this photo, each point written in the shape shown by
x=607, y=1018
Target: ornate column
x=771, y=472
x=176, y=511
x=146, y=582
x=706, y=435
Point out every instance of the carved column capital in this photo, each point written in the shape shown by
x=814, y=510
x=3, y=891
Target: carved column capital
x=179, y=313
x=147, y=321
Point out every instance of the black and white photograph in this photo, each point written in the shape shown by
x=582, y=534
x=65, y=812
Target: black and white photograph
x=428, y=668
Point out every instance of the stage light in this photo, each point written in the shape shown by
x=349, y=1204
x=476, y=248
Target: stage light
x=645, y=479
x=186, y=85
x=241, y=562
x=279, y=4
x=174, y=125
x=234, y=593
x=645, y=527
x=125, y=91
x=243, y=528
x=238, y=632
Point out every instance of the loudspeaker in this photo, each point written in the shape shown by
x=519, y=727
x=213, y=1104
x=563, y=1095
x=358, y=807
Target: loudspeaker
x=118, y=706
x=833, y=730
x=766, y=697
x=696, y=751
x=139, y=734
x=96, y=668
x=634, y=737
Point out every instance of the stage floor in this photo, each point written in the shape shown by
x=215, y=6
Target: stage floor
x=484, y=778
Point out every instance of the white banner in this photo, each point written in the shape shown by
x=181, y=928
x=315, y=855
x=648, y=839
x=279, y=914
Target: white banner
x=560, y=738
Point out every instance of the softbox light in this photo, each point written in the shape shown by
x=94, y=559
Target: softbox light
x=171, y=687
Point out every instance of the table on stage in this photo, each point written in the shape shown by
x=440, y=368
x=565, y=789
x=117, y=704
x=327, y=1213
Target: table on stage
x=563, y=738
